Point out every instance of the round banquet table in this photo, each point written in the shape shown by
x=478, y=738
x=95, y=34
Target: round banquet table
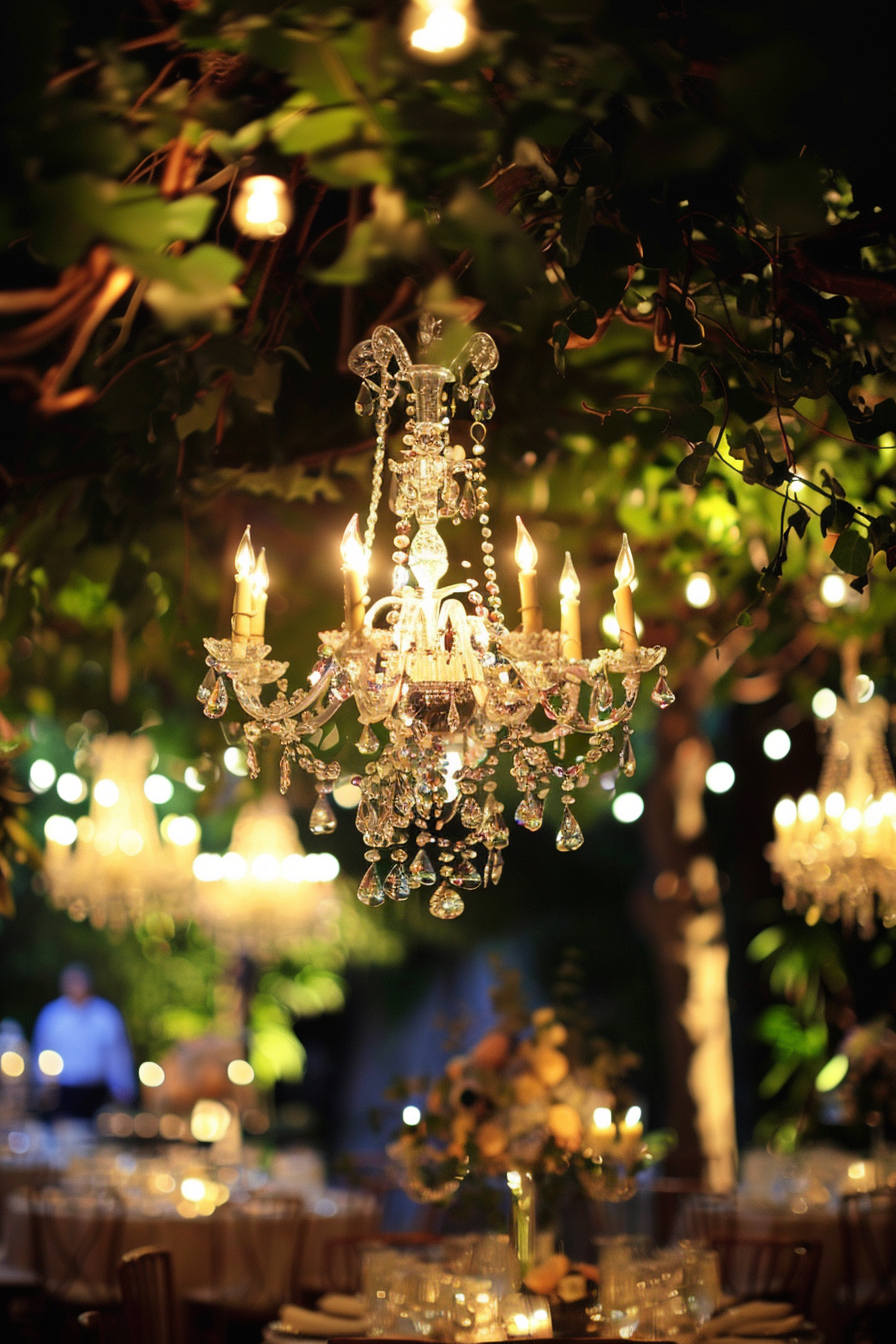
x=729, y=1216
x=14, y=1173
x=206, y=1251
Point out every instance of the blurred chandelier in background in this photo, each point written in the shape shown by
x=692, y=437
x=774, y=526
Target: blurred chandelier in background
x=265, y=896
x=115, y=866
x=450, y=687
x=835, y=851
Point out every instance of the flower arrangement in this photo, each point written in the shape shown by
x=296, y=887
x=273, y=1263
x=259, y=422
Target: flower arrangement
x=534, y=1095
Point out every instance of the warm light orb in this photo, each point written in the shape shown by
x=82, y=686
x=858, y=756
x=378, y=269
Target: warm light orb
x=776, y=744
x=61, y=830
x=785, y=813
x=569, y=579
x=12, y=1064
x=50, y=1063
x=610, y=626
x=235, y=762
x=180, y=830
x=864, y=688
x=158, y=789
x=209, y=1122
x=245, y=556
x=720, y=777
x=834, y=805
x=42, y=776
x=412, y=1115
x=633, y=1116
x=603, y=1117
x=105, y=792
x=627, y=807
x=262, y=208
x=240, y=1072
x=824, y=703
x=71, y=788
x=524, y=552
x=624, y=568
x=151, y=1074
x=439, y=30
x=354, y=556
x=699, y=591
x=833, y=590
x=831, y=1074
x=808, y=808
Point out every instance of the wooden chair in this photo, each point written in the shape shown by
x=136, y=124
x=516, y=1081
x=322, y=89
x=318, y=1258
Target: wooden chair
x=100, y=1327
x=868, y=1247
x=147, y=1296
x=777, y=1267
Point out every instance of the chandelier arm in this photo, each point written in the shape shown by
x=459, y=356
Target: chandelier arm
x=378, y=606
x=293, y=731
x=280, y=709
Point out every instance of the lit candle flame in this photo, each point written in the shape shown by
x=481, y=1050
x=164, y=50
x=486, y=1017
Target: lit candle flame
x=603, y=1117
x=625, y=564
x=354, y=556
x=260, y=576
x=524, y=553
x=569, y=579
x=245, y=557
x=263, y=208
x=633, y=1115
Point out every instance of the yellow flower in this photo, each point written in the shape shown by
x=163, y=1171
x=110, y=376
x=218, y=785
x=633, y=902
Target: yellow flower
x=550, y=1065
x=491, y=1138
x=527, y=1089
x=542, y=1017
x=565, y=1124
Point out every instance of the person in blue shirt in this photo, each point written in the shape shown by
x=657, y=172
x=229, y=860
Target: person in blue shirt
x=89, y=1036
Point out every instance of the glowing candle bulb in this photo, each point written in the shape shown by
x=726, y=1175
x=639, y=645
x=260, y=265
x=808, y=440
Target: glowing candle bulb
x=241, y=622
x=526, y=556
x=262, y=208
x=622, y=594
x=604, y=1129
x=354, y=572
x=439, y=30
x=570, y=620
x=259, y=582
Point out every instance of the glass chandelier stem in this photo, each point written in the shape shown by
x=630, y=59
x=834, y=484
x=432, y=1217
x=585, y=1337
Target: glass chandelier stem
x=379, y=461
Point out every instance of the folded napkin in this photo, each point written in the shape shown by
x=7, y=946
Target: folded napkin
x=750, y=1321
x=320, y=1324
x=342, y=1304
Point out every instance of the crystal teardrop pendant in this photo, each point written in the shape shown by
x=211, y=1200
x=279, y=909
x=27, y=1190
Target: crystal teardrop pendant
x=206, y=686
x=450, y=493
x=364, y=402
x=530, y=812
x=470, y=813
x=453, y=715
x=468, y=506
x=494, y=868
x=323, y=819
x=370, y=891
x=251, y=760
x=286, y=775
x=217, y=702
x=661, y=694
x=466, y=875
x=570, y=835
x=484, y=401
x=422, y=870
x=627, y=762
x=368, y=743
x=397, y=885
x=446, y=903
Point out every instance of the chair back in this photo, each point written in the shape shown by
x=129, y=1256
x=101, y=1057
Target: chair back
x=147, y=1296
x=76, y=1241
x=868, y=1243
x=783, y=1268
x=98, y=1327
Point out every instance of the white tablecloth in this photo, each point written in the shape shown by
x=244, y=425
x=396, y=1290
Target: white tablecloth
x=222, y=1248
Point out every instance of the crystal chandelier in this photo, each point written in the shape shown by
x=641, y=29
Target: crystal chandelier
x=450, y=686
x=266, y=895
x=114, y=866
x=835, y=851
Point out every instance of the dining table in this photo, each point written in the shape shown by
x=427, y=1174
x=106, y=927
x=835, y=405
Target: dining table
x=74, y=1240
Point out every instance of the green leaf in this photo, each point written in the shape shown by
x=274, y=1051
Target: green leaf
x=195, y=287
x=852, y=552
x=311, y=131
x=352, y=168
x=692, y=469
x=799, y=521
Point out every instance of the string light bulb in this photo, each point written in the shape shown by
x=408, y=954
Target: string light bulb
x=440, y=31
x=262, y=208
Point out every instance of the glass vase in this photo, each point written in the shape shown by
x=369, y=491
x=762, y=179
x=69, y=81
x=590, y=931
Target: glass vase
x=522, y=1218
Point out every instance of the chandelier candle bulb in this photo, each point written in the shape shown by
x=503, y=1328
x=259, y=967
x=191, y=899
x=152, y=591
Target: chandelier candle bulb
x=526, y=556
x=242, y=597
x=263, y=208
x=622, y=597
x=259, y=585
x=354, y=572
x=604, y=1129
x=570, y=619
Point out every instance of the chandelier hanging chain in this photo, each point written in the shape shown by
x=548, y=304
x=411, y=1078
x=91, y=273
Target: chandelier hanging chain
x=451, y=688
